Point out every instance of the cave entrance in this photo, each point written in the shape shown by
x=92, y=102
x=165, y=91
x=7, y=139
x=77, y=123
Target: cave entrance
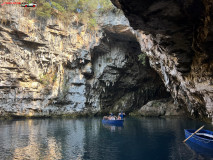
x=122, y=81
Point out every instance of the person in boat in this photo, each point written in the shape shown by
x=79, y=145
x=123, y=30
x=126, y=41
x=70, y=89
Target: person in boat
x=121, y=115
x=108, y=117
x=105, y=118
x=112, y=117
x=119, y=118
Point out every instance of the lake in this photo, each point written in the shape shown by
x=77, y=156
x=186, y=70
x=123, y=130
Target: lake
x=88, y=139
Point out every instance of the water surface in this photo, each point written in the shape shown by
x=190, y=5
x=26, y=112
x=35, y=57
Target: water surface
x=89, y=139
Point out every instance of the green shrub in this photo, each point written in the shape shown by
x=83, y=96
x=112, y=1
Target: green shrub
x=44, y=79
x=105, y=6
x=48, y=78
x=92, y=24
x=44, y=10
x=58, y=7
x=142, y=58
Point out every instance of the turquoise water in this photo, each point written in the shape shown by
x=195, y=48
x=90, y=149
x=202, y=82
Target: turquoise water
x=89, y=139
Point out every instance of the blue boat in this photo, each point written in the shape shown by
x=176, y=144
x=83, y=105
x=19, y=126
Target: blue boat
x=199, y=149
x=113, y=122
x=203, y=138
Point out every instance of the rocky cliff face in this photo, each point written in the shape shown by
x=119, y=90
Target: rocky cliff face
x=48, y=68
x=177, y=36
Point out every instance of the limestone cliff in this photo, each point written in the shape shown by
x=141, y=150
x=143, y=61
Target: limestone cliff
x=177, y=36
x=48, y=68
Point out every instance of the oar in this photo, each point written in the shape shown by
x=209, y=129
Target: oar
x=193, y=133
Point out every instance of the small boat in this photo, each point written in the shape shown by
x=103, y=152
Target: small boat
x=200, y=150
x=113, y=122
x=203, y=138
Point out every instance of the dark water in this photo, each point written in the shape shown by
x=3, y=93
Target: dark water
x=138, y=139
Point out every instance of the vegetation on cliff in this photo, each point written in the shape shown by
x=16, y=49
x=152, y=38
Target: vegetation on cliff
x=142, y=58
x=85, y=11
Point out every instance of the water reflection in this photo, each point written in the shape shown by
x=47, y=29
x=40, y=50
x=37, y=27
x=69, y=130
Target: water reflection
x=113, y=128
x=72, y=139
x=42, y=139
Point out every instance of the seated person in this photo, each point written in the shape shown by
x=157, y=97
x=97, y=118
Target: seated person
x=112, y=118
x=121, y=115
x=109, y=118
x=105, y=118
x=119, y=118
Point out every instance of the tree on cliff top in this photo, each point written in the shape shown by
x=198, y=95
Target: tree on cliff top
x=85, y=10
x=44, y=11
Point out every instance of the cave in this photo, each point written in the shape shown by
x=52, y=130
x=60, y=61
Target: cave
x=121, y=81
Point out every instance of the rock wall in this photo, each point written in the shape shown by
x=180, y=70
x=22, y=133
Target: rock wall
x=50, y=69
x=177, y=36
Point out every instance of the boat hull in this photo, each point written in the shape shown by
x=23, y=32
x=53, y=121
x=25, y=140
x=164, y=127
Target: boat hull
x=113, y=122
x=201, y=141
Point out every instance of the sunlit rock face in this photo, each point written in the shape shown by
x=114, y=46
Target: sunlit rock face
x=49, y=69
x=42, y=64
x=177, y=36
